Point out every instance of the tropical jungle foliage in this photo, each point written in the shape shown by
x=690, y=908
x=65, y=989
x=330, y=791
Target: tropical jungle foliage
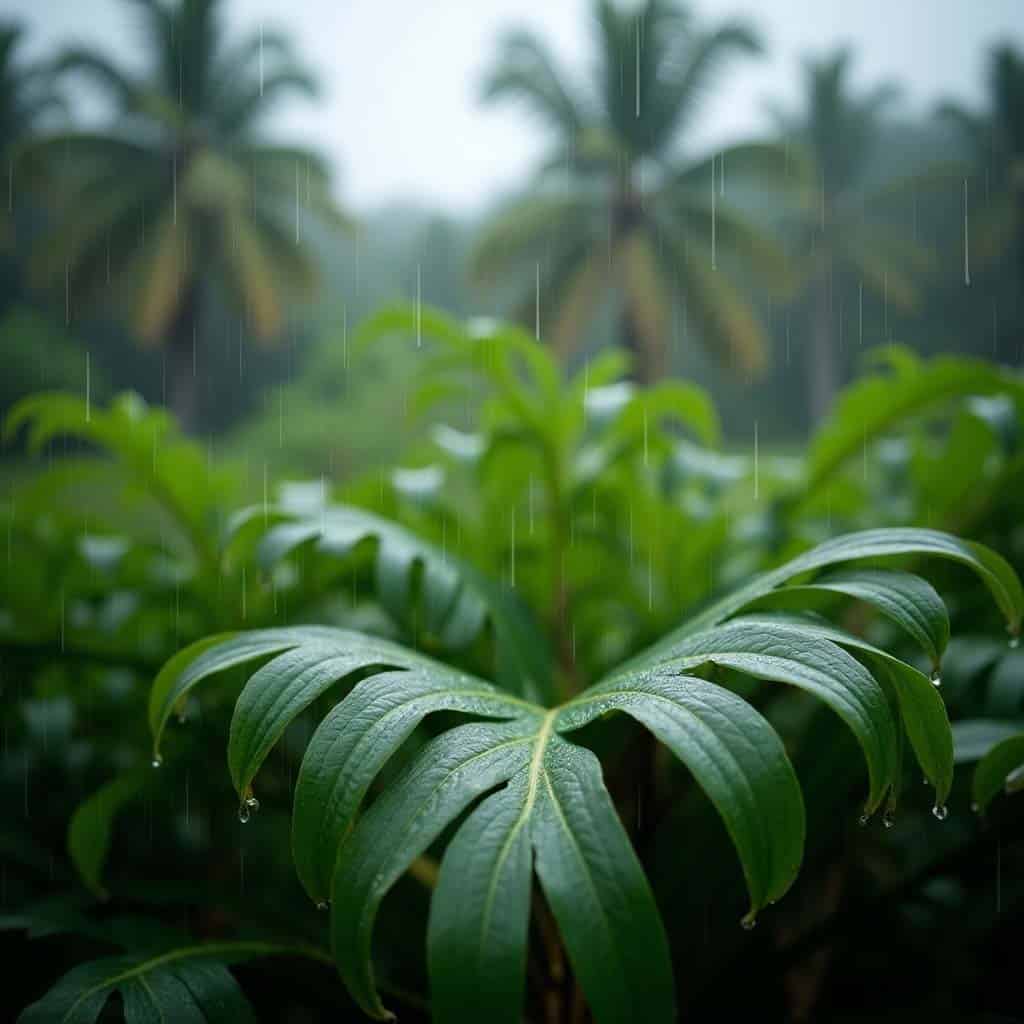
x=527, y=680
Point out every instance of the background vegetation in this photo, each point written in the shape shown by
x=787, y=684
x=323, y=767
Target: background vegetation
x=206, y=353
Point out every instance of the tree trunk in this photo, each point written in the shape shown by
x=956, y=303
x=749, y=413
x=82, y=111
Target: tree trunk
x=647, y=367
x=822, y=371
x=182, y=378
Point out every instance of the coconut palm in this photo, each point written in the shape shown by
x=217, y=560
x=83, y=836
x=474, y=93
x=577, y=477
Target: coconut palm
x=997, y=141
x=180, y=197
x=843, y=230
x=615, y=206
x=27, y=99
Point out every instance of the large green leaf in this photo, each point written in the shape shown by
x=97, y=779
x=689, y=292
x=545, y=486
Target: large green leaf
x=191, y=984
x=734, y=754
x=352, y=744
x=993, y=570
x=789, y=654
x=908, y=600
x=456, y=600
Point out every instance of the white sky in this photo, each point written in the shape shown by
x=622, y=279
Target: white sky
x=401, y=119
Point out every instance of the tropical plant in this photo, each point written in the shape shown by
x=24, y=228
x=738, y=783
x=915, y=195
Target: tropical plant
x=181, y=193
x=28, y=97
x=509, y=795
x=844, y=230
x=997, y=141
x=615, y=204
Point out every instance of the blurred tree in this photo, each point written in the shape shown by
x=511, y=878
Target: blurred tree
x=180, y=195
x=27, y=98
x=842, y=228
x=997, y=139
x=614, y=205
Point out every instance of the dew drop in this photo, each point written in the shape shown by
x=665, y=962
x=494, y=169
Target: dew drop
x=936, y=678
x=941, y=812
x=889, y=818
x=157, y=761
x=322, y=905
x=748, y=923
x=244, y=813
x=863, y=820
x=976, y=808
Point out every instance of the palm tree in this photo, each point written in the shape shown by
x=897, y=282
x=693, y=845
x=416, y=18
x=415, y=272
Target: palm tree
x=997, y=139
x=27, y=98
x=842, y=230
x=615, y=206
x=180, y=196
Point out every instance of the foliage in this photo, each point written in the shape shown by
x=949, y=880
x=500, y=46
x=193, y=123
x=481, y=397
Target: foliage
x=185, y=157
x=539, y=564
x=615, y=207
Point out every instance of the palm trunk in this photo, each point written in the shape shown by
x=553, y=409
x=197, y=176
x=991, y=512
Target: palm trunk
x=647, y=365
x=182, y=379
x=822, y=371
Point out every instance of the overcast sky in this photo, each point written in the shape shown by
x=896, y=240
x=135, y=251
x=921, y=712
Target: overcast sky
x=401, y=118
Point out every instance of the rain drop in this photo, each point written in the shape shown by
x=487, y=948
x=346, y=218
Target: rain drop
x=863, y=819
x=941, y=812
x=936, y=678
x=247, y=808
x=748, y=923
x=157, y=761
x=889, y=817
x=322, y=905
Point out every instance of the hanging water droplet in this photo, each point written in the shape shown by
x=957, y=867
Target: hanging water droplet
x=157, y=761
x=975, y=808
x=1014, y=643
x=748, y=923
x=863, y=819
x=889, y=817
x=247, y=808
x=322, y=905
x=936, y=677
x=941, y=812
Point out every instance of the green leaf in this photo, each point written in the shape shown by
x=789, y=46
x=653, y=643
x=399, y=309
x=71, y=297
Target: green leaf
x=993, y=570
x=188, y=984
x=735, y=756
x=788, y=653
x=447, y=775
x=352, y=744
x=921, y=706
x=875, y=404
x=476, y=941
x=973, y=738
x=597, y=891
x=457, y=600
x=908, y=600
x=995, y=769
x=90, y=826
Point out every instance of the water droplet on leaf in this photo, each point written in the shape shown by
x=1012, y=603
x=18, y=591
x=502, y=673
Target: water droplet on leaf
x=936, y=678
x=941, y=812
x=748, y=923
x=1014, y=642
x=157, y=761
x=863, y=819
x=244, y=813
x=889, y=818
x=322, y=905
